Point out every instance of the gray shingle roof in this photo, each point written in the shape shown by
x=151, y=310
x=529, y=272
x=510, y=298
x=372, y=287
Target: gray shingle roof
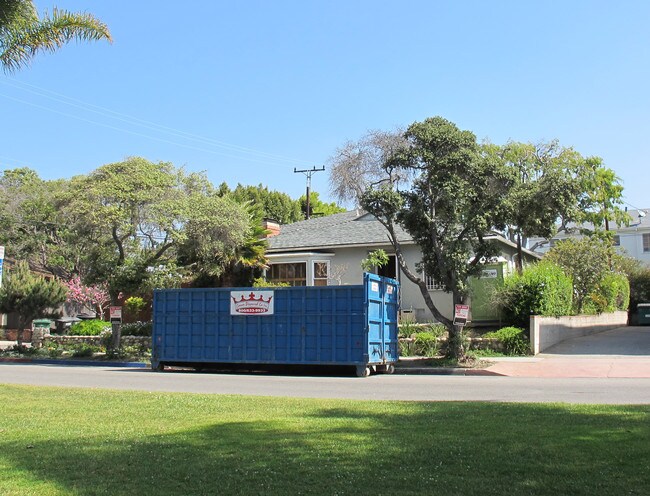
x=345, y=229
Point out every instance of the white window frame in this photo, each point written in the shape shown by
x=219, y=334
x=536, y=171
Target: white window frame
x=313, y=272
x=293, y=262
x=431, y=283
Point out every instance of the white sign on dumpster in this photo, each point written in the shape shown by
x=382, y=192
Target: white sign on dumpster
x=251, y=302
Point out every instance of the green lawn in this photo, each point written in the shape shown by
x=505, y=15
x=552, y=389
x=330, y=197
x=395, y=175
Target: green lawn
x=92, y=442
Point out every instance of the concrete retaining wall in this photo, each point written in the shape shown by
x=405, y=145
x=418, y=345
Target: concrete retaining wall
x=548, y=331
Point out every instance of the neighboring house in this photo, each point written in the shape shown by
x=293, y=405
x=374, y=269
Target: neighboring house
x=329, y=250
x=632, y=240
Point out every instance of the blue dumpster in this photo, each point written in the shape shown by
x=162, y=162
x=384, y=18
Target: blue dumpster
x=325, y=325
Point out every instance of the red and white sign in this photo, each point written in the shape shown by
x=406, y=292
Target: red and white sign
x=251, y=302
x=116, y=314
x=461, y=314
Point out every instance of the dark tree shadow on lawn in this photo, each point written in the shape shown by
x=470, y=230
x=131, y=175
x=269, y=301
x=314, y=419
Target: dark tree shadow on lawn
x=374, y=448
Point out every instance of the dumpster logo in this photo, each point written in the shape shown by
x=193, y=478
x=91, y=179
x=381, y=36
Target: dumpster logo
x=253, y=303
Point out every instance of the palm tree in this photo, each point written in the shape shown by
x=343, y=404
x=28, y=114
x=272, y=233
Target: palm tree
x=23, y=33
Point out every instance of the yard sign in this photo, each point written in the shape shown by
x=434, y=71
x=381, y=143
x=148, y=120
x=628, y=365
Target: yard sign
x=461, y=314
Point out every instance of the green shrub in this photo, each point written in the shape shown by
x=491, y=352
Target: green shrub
x=260, y=282
x=513, y=339
x=406, y=347
x=53, y=350
x=137, y=329
x=106, y=338
x=84, y=350
x=410, y=329
x=88, y=328
x=610, y=294
x=21, y=349
x=616, y=287
x=406, y=329
x=542, y=289
x=639, y=286
x=426, y=344
x=134, y=305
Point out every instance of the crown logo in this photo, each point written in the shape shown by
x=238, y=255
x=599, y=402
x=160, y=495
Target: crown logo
x=252, y=304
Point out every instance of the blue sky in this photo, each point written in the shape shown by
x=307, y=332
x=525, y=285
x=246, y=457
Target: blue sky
x=248, y=90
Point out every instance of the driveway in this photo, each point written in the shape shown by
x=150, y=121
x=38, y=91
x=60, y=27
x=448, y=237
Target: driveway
x=619, y=353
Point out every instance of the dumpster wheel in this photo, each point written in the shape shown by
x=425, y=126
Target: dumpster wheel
x=363, y=370
x=387, y=368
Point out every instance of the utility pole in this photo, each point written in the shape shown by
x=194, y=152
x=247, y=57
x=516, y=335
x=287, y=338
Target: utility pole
x=308, y=173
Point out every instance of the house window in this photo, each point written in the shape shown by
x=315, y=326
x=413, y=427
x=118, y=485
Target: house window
x=616, y=240
x=433, y=285
x=293, y=274
x=646, y=242
x=321, y=273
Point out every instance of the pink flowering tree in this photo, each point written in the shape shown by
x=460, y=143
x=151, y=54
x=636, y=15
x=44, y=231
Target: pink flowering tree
x=95, y=296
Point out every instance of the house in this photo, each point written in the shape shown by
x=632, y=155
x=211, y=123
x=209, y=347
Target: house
x=329, y=250
x=632, y=240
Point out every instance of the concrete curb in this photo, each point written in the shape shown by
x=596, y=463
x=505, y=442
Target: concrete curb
x=72, y=363
x=459, y=371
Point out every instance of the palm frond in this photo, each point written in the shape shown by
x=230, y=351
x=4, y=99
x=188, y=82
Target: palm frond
x=13, y=11
x=22, y=40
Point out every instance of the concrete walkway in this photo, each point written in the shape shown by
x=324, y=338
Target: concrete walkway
x=618, y=353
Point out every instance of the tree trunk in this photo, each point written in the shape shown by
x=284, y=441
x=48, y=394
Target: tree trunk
x=520, y=255
x=456, y=344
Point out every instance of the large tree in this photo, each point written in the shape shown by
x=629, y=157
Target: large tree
x=38, y=225
x=453, y=201
x=265, y=203
x=602, y=197
x=317, y=207
x=221, y=237
x=548, y=180
x=360, y=165
x=134, y=224
x=29, y=295
x=23, y=33
x=147, y=213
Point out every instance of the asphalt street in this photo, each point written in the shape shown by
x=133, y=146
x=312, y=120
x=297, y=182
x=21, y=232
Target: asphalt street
x=378, y=387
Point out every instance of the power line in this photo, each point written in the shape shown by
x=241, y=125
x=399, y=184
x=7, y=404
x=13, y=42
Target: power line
x=135, y=133
x=136, y=121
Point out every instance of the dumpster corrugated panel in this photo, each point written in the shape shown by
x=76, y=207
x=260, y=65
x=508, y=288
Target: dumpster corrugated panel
x=330, y=325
